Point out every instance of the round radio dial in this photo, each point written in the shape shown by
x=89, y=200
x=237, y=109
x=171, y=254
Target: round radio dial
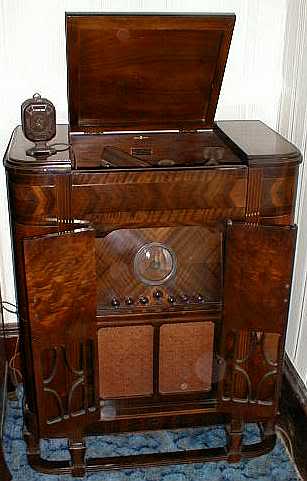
x=154, y=264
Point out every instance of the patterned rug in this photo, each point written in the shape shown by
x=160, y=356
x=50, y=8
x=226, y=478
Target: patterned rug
x=275, y=466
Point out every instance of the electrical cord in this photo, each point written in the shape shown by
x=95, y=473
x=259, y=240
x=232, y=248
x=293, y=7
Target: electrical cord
x=283, y=433
x=66, y=146
x=15, y=372
x=4, y=306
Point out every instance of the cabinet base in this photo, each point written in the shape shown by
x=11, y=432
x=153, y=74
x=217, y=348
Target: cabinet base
x=80, y=465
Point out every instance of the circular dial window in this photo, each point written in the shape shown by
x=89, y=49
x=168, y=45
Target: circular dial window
x=154, y=263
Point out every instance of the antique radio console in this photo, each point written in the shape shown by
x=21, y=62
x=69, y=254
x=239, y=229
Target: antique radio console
x=154, y=257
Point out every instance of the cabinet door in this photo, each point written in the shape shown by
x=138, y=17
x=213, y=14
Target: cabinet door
x=257, y=278
x=60, y=276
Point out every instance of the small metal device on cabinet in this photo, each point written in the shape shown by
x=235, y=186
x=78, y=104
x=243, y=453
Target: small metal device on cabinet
x=38, y=120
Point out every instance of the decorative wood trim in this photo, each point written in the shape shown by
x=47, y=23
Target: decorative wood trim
x=63, y=192
x=253, y=196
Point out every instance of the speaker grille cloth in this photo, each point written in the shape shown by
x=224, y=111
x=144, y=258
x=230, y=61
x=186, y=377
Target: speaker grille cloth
x=186, y=354
x=125, y=361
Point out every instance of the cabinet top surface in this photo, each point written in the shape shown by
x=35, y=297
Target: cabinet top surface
x=231, y=143
x=140, y=72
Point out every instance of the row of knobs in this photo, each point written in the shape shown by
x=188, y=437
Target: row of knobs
x=143, y=300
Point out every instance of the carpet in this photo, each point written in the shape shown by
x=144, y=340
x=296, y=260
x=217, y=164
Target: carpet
x=275, y=466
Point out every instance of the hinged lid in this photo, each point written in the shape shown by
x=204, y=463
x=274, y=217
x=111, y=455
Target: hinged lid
x=145, y=72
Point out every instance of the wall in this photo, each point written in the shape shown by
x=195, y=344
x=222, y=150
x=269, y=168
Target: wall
x=293, y=124
x=32, y=58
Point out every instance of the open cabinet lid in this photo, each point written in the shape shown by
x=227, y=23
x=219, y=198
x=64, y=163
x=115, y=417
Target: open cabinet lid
x=145, y=72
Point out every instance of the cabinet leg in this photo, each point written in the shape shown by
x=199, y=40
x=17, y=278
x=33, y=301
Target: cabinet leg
x=5, y=475
x=33, y=449
x=32, y=443
x=267, y=429
x=77, y=451
x=30, y=433
x=234, y=444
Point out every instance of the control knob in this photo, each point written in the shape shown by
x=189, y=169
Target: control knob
x=115, y=302
x=158, y=294
x=184, y=298
x=129, y=301
x=172, y=299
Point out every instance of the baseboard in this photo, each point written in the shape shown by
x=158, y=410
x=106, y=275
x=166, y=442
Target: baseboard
x=11, y=329
x=11, y=334
x=293, y=414
x=296, y=383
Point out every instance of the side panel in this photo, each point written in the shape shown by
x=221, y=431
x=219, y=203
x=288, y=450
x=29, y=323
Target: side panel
x=257, y=280
x=61, y=295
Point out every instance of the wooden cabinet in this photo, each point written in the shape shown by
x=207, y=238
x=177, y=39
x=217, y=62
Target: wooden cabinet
x=153, y=269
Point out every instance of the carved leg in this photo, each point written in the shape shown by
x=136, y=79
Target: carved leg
x=234, y=444
x=77, y=451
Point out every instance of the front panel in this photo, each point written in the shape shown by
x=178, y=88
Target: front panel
x=159, y=268
x=146, y=280
x=150, y=362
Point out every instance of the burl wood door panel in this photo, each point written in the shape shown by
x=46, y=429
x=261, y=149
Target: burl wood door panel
x=60, y=279
x=257, y=281
x=258, y=269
